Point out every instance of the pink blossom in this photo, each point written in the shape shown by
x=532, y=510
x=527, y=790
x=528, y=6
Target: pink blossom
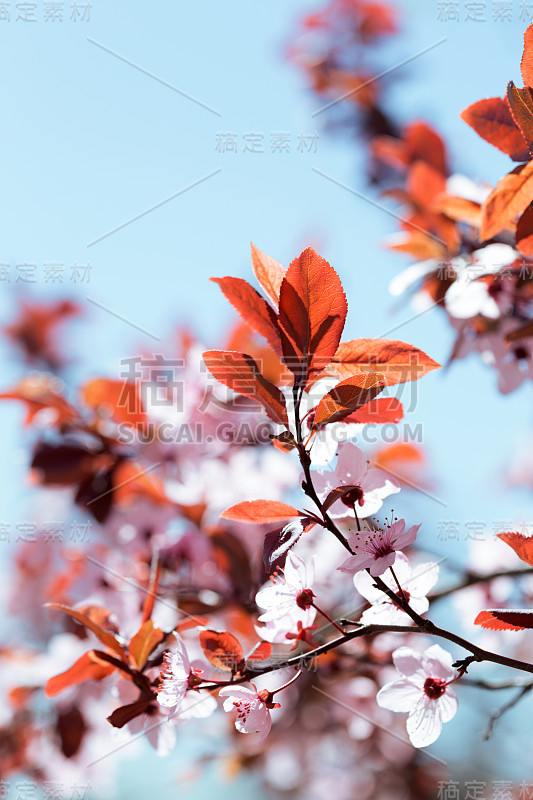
x=373, y=485
x=289, y=626
x=253, y=709
x=415, y=584
x=422, y=691
x=376, y=549
x=288, y=592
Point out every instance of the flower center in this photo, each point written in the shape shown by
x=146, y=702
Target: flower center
x=383, y=549
x=304, y=599
x=356, y=495
x=434, y=688
x=495, y=288
x=405, y=593
x=521, y=353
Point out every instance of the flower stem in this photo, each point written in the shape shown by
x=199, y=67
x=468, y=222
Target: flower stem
x=335, y=624
x=294, y=678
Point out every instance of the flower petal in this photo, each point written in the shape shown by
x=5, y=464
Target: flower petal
x=351, y=465
x=424, y=723
x=382, y=563
x=448, y=705
x=407, y=661
x=402, y=695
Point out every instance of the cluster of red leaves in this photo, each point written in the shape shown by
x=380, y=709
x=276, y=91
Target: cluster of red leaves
x=302, y=317
x=335, y=49
x=507, y=123
x=303, y=323
x=34, y=331
x=86, y=452
x=411, y=165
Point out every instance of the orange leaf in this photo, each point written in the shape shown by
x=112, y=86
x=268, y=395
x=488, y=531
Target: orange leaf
x=41, y=392
x=398, y=361
x=84, y=669
x=501, y=619
x=312, y=312
x=268, y=272
x=524, y=232
x=142, y=644
x=394, y=455
x=239, y=372
x=222, y=650
x=260, y=511
x=491, y=119
x=421, y=245
x=522, y=545
x=261, y=652
x=424, y=183
x=119, y=400
x=347, y=397
x=253, y=308
x=380, y=410
x=460, y=209
x=192, y=622
x=423, y=143
x=511, y=195
x=131, y=481
x=526, y=65
x=521, y=105
x=149, y=600
x=104, y=636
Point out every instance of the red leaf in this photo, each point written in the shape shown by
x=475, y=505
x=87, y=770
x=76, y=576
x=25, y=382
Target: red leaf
x=522, y=545
x=526, y=65
x=84, y=669
x=261, y=652
x=424, y=183
x=491, y=119
x=509, y=198
x=104, y=636
x=337, y=494
x=260, y=511
x=423, y=143
x=312, y=312
x=121, y=716
x=380, y=410
x=268, y=272
x=501, y=619
x=222, y=650
x=397, y=361
x=524, y=232
x=347, y=397
x=253, y=308
x=239, y=372
x=284, y=441
x=277, y=544
x=521, y=105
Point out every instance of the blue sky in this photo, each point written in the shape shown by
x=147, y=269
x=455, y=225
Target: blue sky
x=90, y=142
